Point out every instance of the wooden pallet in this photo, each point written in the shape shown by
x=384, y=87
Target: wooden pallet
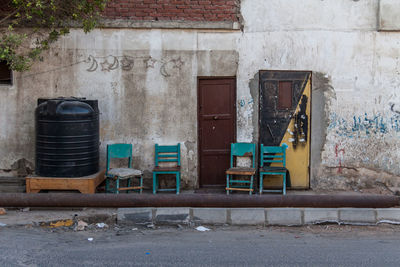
x=85, y=185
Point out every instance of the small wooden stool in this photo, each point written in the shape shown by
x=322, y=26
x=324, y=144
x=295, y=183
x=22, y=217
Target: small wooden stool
x=85, y=185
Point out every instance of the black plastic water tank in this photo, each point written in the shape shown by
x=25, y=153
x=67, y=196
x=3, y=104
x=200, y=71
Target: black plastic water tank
x=67, y=137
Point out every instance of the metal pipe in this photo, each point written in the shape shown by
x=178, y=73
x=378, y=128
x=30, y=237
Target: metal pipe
x=195, y=200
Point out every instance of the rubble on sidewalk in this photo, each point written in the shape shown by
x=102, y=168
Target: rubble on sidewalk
x=2, y=211
x=81, y=225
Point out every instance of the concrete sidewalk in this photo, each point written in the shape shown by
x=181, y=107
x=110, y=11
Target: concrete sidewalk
x=205, y=216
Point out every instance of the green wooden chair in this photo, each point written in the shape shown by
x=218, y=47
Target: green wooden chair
x=119, y=151
x=275, y=155
x=241, y=150
x=172, y=156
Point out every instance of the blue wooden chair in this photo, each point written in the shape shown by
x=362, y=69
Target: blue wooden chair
x=119, y=151
x=273, y=162
x=167, y=155
x=241, y=150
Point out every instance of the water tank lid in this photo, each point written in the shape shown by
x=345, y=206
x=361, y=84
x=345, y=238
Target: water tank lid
x=67, y=106
x=60, y=98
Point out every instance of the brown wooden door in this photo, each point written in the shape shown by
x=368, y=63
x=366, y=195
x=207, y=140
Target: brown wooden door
x=217, y=128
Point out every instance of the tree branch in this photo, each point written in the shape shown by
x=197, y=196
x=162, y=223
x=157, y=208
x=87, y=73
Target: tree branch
x=9, y=15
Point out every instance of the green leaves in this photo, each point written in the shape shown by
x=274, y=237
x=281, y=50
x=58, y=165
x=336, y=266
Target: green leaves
x=47, y=21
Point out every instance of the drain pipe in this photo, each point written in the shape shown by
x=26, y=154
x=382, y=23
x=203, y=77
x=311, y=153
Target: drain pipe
x=196, y=200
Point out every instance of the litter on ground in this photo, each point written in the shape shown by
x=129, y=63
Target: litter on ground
x=101, y=225
x=202, y=229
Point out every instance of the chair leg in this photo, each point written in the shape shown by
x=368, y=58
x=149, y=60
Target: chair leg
x=178, y=183
x=107, y=181
x=117, y=186
x=251, y=185
x=154, y=182
x=227, y=184
x=141, y=184
x=129, y=184
x=261, y=183
x=284, y=184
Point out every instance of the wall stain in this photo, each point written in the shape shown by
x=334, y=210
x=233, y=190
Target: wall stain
x=255, y=93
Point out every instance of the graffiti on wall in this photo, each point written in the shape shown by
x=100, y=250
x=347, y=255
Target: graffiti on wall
x=126, y=63
x=243, y=102
x=339, y=155
x=364, y=125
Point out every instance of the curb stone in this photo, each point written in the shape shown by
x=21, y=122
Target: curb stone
x=210, y=215
x=259, y=216
x=135, y=215
x=284, y=216
x=252, y=216
x=357, y=216
x=320, y=215
x=172, y=215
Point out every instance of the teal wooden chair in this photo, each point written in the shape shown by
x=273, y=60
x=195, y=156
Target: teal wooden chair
x=170, y=155
x=275, y=155
x=119, y=151
x=241, y=150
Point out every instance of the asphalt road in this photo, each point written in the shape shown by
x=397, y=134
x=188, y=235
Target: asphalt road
x=223, y=246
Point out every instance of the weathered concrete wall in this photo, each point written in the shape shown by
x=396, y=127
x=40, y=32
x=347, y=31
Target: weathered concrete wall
x=145, y=81
x=389, y=15
x=355, y=115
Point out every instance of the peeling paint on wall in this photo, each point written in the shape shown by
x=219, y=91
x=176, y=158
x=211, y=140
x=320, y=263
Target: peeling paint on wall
x=323, y=94
x=255, y=92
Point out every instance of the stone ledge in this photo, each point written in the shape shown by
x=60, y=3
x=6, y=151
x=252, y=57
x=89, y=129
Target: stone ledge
x=212, y=25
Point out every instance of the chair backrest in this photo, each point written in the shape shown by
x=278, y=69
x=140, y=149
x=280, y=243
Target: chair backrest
x=168, y=154
x=243, y=150
x=273, y=154
x=118, y=151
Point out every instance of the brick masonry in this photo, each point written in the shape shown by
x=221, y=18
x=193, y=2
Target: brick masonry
x=167, y=10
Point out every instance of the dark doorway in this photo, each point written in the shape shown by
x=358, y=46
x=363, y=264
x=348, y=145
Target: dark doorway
x=217, y=128
x=5, y=73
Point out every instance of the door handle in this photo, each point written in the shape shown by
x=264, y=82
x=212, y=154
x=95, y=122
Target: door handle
x=215, y=117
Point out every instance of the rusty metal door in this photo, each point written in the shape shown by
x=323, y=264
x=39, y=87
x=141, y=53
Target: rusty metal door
x=217, y=128
x=285, y=107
